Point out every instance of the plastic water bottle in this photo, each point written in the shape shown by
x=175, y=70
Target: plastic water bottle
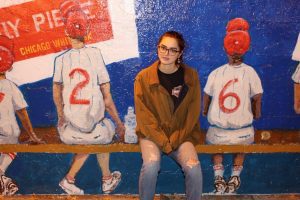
x=130, y=124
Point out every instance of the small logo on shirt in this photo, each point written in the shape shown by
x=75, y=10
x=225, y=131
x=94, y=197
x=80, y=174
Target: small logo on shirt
x=176, y=91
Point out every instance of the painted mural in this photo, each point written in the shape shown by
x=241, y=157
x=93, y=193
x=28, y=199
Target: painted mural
x=232, y=99
x=49, y=80
x=296, y=76
x=81, y=93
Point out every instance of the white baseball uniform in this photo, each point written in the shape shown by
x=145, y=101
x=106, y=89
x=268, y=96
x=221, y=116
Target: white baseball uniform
x=296, y=74
x=11, y=99
x=81, y=72
x=230, y=114
x=296, y=52
x=296, y=57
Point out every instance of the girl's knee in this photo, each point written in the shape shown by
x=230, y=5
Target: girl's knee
x=192, y=166
x=151, y=167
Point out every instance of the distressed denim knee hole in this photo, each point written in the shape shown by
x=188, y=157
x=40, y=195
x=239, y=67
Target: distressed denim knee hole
x=192, y=163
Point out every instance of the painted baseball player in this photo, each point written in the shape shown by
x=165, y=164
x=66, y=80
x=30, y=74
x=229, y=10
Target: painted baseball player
x=81, y=92
x=11, y=102
x=232, y=98
x=296, y=77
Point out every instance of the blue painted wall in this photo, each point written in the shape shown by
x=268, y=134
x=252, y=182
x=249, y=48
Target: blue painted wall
x=274, y=27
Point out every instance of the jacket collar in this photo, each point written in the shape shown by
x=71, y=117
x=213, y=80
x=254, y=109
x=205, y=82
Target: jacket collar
x=154, y=80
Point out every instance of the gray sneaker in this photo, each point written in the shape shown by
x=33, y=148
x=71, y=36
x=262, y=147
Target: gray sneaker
x=70, y=188
x=109, y=185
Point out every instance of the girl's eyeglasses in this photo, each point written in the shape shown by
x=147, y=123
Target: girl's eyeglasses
x=164, y=49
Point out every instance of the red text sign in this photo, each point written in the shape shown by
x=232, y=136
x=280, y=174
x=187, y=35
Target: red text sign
x=37, y=29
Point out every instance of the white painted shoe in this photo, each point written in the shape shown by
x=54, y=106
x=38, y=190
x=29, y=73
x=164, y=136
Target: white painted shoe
x=109, y=185
x=220, y=185
x=233, y=185
x=70, y=188
x=7, y=185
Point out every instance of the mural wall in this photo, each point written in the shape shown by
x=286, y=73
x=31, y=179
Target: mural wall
x=126, y=31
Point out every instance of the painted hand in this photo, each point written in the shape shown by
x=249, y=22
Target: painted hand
x=61, y=122
x=33, y=139
x=120, y=130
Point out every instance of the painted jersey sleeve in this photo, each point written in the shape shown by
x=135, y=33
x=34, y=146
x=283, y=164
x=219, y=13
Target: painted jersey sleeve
x=18, y=98
x=57, y=77
x=296, y=75
x=255, y=84
x=296, y=52
x=209, y=87
x=102, y=74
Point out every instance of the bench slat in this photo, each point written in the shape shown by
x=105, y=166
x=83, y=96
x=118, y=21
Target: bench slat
x=280, y=141
x=210, y=149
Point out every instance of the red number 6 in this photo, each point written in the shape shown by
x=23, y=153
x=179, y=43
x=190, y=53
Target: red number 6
x=1, y=96
x=223, y=96
x=79, y=86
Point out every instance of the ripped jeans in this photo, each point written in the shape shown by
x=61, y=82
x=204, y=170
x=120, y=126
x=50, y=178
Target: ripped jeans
x=186, y=156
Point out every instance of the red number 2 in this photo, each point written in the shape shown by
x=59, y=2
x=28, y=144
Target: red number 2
x=79, y=86
x=1, y=96
x=223, y=96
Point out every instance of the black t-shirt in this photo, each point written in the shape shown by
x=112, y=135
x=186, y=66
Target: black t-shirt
x=174, y=84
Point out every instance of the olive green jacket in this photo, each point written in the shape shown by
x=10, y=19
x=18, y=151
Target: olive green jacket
x=154, y=107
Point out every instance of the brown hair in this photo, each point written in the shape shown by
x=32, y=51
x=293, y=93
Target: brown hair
x=179, y=39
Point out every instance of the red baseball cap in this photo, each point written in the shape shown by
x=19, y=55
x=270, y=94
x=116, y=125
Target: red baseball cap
x=77, y=24
x=68, y=6
x=237, y=42
x=6, y=54
x=237, y=24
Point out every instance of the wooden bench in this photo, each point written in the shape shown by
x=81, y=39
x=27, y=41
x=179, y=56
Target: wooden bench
x=266, y=141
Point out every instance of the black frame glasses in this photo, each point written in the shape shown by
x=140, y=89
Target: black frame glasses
x=164, y=49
